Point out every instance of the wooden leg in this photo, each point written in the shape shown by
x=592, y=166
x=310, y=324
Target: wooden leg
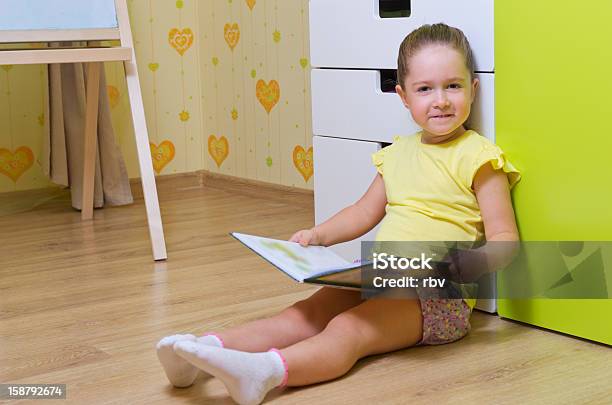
x=91, y=139
x=156, y=231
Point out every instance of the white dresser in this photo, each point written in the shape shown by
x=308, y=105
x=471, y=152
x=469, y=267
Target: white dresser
x=355, y=111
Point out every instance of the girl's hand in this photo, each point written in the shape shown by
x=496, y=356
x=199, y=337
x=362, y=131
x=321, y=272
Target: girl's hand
x=305, y=237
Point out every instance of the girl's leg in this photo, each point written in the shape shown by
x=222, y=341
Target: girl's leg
x=300, y=321
x=375, y=326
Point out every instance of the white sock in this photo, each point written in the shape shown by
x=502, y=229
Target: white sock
x=247, y=376
x=179, y=372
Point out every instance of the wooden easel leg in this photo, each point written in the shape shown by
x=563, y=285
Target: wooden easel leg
x=156, y=231
x=91, y=139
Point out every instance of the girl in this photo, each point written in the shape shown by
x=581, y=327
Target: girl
x=444, y=183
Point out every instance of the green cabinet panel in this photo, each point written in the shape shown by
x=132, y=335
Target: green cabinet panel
x=589, y=319
x=553, y=102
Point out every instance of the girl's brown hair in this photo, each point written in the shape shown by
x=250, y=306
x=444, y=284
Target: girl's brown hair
x=427, y=34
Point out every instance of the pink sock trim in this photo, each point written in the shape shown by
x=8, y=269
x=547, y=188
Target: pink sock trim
x=218, y=338
x=286, y=376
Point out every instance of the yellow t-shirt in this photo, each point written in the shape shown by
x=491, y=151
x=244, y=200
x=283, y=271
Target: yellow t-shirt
x=429, y=187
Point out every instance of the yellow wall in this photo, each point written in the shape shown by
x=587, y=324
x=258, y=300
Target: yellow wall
x=21, y=126
x=232, y=100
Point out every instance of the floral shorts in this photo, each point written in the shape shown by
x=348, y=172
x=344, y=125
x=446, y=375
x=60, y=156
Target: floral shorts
x=444, y=320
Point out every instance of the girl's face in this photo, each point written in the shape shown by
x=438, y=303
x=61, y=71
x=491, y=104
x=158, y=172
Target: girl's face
x=438, y=92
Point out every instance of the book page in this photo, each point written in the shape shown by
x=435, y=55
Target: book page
x=297, y=261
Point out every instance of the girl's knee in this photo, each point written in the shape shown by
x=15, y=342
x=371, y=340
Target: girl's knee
x=304, y=312
x=379, y=326
x=346, y=322
x=322, y=306
x=354, y=331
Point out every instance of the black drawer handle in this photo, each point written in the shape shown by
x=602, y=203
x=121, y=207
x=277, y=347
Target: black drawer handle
x=394, y=8
x=388, y=80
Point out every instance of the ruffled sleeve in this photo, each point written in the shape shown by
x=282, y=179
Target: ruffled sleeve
x=378, y=158
x=493, y=154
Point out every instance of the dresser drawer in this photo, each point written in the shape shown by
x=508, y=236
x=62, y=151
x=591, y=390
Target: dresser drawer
x=343, y=171
x=350, y=104
x=352, y=34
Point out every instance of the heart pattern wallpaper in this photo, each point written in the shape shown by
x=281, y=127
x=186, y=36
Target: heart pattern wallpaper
x=225, y=86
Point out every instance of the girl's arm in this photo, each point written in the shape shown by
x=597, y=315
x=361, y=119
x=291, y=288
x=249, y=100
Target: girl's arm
x=350, y=223
x=493, y=195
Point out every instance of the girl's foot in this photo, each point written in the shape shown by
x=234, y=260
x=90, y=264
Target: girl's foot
x=247, y=376
x=179, y=372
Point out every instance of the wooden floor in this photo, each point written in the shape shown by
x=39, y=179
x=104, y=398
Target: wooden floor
x=82, y=303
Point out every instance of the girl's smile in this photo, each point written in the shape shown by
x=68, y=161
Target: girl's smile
x=442, y=117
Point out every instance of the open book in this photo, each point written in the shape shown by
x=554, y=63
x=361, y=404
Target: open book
x=312, y=264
